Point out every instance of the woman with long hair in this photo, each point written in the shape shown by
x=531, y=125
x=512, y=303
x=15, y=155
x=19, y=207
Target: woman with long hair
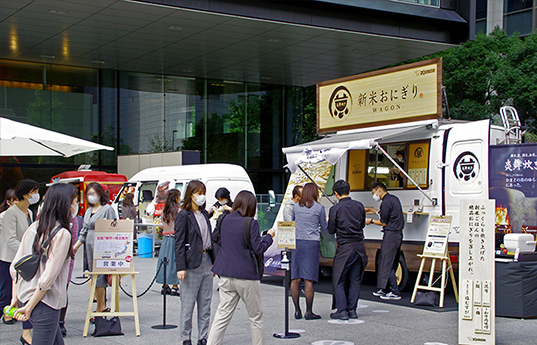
x=9, y=200
x=16, y=221
x=194, y=259
x=223, y=204
x=98, y=209
x=167, y=249
x=45, y=294
x=239, y=278
x=128, y=209
x=310, y=220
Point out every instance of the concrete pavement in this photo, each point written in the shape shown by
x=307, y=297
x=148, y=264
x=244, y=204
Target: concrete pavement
x=382, y=323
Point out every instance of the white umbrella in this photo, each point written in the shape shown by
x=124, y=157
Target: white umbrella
x=20, y=139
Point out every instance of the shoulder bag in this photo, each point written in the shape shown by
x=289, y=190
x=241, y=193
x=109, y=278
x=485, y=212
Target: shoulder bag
x=28, y=265
x=257, y=259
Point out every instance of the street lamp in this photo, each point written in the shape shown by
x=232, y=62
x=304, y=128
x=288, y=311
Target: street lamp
x=173, y=139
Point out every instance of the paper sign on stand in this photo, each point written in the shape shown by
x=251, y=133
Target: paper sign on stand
x=477, y=273
x=286, y=235
x=113, y=246
x=437, y=236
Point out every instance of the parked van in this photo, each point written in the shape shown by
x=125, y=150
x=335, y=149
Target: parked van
x=448, y=160
x=150, y=185
x=112, y=184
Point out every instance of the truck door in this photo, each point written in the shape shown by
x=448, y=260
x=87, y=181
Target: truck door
x=465, y=167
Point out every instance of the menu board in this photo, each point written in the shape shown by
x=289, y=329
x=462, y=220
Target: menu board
x=477, y=273
x=437, y=236
x=112, y=250
x=286, y=235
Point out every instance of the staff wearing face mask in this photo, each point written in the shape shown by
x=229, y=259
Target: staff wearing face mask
x=392, y=222
x=223, y=202
x=16, y=220
x=194, y=259
x=396, y=171
x=98, y=209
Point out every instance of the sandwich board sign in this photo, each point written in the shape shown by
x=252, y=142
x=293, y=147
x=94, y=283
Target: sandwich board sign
x=477, y=273
x=112, y=251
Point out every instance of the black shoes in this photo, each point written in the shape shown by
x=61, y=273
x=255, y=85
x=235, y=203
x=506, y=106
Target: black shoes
x=23, y=341
x=202, y=342
x=352, y=314
x=340, y=315
x=311, y=316
x=187, y=342
x=8, y=322
x=63, y=329
x=298, y=315
x=175, y=292
x=166, y=290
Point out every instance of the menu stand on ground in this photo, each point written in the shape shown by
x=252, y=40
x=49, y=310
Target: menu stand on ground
x=114, y=307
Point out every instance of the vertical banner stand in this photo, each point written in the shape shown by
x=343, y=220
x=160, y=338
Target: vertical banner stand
x=285, y=266
x=446, y=265
x=164, y=325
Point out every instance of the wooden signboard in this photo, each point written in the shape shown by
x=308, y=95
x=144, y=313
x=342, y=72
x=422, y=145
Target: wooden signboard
x=399, y=94
x=113, y=246
x=286, y=235
x=477, y=272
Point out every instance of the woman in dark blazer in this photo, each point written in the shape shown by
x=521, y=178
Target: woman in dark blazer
x=239, y=278
x=194, y=259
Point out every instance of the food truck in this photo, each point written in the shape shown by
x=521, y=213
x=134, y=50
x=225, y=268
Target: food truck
x=112, y=183
x=387, y=126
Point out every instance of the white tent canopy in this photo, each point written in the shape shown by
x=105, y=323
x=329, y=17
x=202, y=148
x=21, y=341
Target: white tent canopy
x=20, y=139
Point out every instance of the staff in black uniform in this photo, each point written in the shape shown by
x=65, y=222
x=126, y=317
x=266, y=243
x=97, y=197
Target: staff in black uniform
x=392, y=222
x=347, y=221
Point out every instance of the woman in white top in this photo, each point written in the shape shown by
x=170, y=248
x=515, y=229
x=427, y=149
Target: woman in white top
x=45, y=294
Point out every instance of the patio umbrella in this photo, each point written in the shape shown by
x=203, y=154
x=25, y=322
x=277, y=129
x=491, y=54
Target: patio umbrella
x=20, y=139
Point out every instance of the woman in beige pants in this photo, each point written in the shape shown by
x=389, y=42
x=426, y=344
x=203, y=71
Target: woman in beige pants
x=239, y=275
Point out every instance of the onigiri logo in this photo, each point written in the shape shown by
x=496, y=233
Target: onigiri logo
x=340, y=103
x=466, y=167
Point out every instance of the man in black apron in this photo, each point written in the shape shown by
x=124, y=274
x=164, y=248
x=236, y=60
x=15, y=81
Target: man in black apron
x=347, y=220
x=392, y=222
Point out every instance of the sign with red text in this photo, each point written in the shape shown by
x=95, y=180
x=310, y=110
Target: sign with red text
x=477, y=273
x=112, y=250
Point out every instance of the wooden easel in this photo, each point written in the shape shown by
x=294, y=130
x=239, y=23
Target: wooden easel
x=446, y=265
x=114, y=307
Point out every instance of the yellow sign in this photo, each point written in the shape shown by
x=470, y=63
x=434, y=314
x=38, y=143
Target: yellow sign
x=418, y=162
x=357, y=169
x=112, y=250
x=394, y=95
x=286, y=235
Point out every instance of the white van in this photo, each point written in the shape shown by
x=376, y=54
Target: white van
x=145, y=184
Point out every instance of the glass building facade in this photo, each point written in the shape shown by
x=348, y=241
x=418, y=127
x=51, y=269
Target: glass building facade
x=227, y=121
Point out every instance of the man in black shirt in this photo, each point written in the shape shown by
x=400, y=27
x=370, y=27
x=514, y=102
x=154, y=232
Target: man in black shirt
x=392, y=222
x=347, y=221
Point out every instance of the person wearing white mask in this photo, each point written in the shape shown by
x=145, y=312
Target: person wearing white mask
x=16, y=221
x=194, y=259
x=98, y=209
x=392, y=221
x=223, y=205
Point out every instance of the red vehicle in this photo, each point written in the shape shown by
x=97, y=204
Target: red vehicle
x=112, y=183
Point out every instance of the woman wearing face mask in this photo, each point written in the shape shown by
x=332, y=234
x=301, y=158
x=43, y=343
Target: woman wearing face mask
x=223, y=202
x=194, y=259
x=98, y=209
x=16, y=220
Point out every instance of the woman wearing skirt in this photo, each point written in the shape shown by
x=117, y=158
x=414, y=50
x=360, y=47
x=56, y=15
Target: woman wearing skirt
x=167, y=248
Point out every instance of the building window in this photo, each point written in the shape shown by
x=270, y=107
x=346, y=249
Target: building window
x=423, y=2
x=481, y=9
x=517, y=5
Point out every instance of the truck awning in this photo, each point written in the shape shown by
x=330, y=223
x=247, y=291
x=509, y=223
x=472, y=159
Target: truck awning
x=359, y=138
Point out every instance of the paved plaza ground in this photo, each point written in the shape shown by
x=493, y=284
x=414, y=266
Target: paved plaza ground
x=383, y=323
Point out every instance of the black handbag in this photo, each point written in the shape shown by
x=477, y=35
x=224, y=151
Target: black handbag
x=28, y=265
x=427, y=298
x=257, y=259
x=217, y=235
x=106, y=327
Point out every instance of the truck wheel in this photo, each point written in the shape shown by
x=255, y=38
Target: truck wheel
x=402, y=273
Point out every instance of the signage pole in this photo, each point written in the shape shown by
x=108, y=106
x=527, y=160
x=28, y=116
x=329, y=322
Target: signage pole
x=285, y=266
x=164, y=325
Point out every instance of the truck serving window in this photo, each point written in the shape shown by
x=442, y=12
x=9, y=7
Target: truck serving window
x=367, y=166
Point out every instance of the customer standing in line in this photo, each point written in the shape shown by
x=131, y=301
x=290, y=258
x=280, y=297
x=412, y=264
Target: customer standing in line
x=16, y=221
x=128, y=209
x=194, y=259
x=44, y=295
x=347, y=221
x=172, y=206
x=288, y=207
x=98, y=209
x=237, y=270
x=310, y=218
x=392, y=222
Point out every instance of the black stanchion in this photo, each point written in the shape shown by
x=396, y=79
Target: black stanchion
x=164, y=325
x=285, y=266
